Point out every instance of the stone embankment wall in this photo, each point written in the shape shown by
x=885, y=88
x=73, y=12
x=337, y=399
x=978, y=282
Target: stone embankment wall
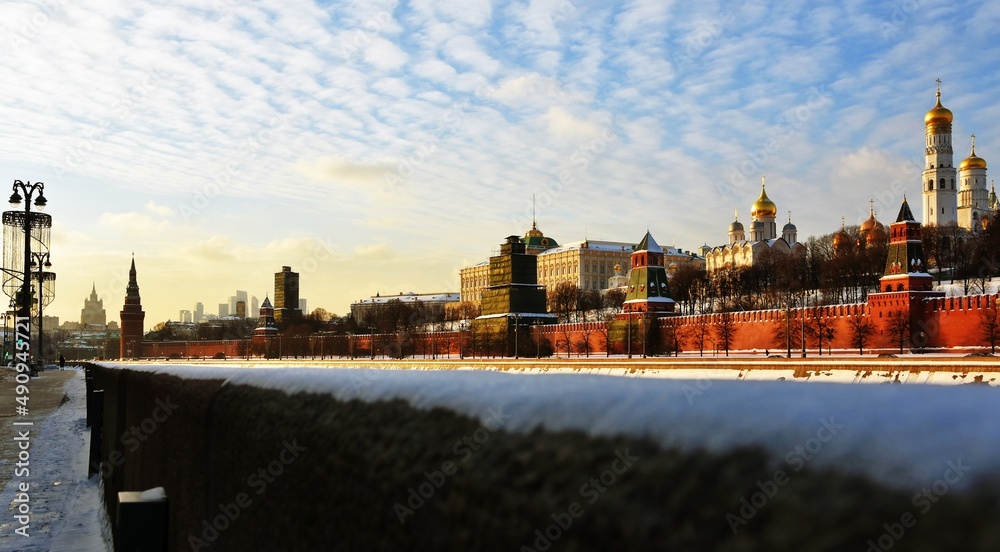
x=252, y=469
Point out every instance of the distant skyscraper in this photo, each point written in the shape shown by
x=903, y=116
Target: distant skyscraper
x=241, y=309
x=242, y=296
x=302, y=306
x=199, y=312
x=223, y=310
x=185, y=316
x=286, y=295
x=93, y=310
x=254, y=304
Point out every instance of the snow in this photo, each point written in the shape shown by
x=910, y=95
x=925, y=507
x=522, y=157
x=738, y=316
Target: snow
x=67, y=510
x=904, y=435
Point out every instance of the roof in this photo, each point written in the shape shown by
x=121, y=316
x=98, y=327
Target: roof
x=648, y=244
x=411, y=297
x=904, y=212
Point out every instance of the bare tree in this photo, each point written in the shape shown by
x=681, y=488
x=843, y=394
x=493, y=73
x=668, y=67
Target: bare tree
x=861, y=331
x=700, y=333
x=673, y=334
x=725, y=331
x=989, y=322
x=563, y=300
x=898, y=327
x=823, y=328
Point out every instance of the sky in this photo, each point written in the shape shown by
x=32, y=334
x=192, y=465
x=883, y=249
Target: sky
x=379, y=147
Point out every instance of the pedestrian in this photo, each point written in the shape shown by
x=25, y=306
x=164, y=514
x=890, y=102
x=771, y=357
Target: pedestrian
x=62, y=361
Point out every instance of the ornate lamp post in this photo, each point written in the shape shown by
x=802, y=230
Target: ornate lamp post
x=41, y=260
x=29, y=189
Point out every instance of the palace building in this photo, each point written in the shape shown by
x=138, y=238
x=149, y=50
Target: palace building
x=740, y=251
x=589, y=264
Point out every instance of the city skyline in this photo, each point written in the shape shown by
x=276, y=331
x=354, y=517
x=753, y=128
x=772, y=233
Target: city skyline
x=379, y=148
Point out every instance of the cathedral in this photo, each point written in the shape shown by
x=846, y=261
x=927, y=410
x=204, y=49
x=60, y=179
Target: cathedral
x=740, y=251
x=965, y=201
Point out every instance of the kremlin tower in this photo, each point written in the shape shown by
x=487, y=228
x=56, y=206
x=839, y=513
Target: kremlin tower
x=132, y=317
x=648, y=291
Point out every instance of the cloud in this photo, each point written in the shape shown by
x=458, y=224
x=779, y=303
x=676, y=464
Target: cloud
x=374, y=252
x=562, y=124
x=343, y=171
x=162, y=210
x=132, y=222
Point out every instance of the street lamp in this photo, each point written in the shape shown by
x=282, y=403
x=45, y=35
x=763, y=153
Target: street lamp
x=41, y=260
x=29, y=189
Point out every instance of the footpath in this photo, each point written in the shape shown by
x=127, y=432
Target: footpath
x=64, y=506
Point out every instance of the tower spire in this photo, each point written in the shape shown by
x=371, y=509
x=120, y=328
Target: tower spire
x=533, y=227
x=973, y=144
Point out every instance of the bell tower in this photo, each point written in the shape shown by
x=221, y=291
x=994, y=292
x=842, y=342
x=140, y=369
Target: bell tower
x=940, y=194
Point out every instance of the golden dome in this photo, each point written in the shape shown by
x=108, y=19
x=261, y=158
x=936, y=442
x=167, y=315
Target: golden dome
x=763, y=207
x=938, y=115
x=534, y=232
x=877, y=235
x=841, y=240
x=972, y=161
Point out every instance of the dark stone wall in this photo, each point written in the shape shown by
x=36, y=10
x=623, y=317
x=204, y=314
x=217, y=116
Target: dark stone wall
x=252, y=469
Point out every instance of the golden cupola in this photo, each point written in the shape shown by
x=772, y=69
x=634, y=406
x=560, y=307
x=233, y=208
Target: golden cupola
x=763, y=207
x=939, y=114
x=972, y=161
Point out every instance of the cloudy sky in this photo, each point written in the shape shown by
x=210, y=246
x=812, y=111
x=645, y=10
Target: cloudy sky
x=379, y=146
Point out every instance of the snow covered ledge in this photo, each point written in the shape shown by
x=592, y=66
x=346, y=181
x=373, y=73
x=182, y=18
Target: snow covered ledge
x=397, y=459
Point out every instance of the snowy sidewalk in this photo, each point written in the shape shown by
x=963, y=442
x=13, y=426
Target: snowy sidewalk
x=66, y=509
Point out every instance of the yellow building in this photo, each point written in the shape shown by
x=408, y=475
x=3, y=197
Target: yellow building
x=589, y=263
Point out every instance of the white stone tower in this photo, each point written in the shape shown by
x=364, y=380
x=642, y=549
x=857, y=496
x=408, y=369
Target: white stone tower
x=939, y=190
x=973, y=196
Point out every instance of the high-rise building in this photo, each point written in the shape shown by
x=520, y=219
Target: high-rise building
x=184, y=316
x=223, y=310
x=199, y=312
x=242, y=296
x=93, y=313
x=132, y=317
x=303, y=306
x=254, y=304
x=241, y=309
x=286, y=295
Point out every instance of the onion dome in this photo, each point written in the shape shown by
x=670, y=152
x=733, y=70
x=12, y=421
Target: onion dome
x=972, y=161
x=938, y=115
x=736, y=226
x=763, y=207
x=841, y=239
x=789, y=228
x=992, y=201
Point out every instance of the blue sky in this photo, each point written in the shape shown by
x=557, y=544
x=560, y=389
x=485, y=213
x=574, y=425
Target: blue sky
x=381, y=146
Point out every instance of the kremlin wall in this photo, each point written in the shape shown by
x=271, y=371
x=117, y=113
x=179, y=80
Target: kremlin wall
x=905, y=315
